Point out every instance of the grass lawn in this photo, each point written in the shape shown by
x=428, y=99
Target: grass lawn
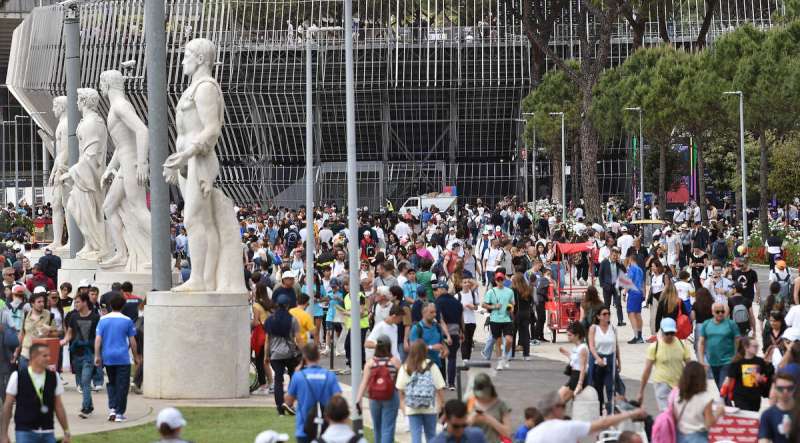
x=207, y=425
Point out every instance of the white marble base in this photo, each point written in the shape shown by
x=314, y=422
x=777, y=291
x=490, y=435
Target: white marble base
x=74, y=270
x=142, y=281
x=196, y=345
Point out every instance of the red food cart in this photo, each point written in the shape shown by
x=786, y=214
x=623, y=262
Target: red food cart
x=563, y=306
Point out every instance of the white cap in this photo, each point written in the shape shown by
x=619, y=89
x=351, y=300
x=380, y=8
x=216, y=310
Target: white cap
x=271, y=437
x=623, y=229
x=597, y=227
x=84, y=284
x=170, y=417
x=40, y=290
x=667, y=229
x=657, y=232
x=288, y=274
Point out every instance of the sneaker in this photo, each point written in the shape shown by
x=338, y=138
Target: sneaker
x=535, y=342
x=344, y=372
x=528, y=358
x=79, y=389
x=136, y=390
x=506, y=364
x=500, y=366
x=271, y=389
x=112, y=415
x=622, y=323
x=639, y=340
x=85, y=413
x=120, y=418
x=633, y=341
x=288, y=409
x=96, y=388
x=340, y=353
x=451, y=387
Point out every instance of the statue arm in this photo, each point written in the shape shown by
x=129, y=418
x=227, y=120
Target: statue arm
x=132, y=120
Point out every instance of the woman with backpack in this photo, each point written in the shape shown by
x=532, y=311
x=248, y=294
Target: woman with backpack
x=378, y=382
x=749, y=376
x=693, y=406
x=281, y=348
x=421, y=387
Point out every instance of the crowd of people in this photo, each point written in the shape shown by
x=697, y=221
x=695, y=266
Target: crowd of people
x=428, y=286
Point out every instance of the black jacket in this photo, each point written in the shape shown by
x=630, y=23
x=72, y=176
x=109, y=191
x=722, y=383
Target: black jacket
x=605, y=272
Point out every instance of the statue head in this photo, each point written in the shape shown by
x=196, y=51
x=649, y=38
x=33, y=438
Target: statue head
x=199, y=52
x=111, y=79
x=59, y=105
x=88, y=99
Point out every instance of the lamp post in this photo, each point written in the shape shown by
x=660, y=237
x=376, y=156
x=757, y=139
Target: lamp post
x=533, y=153
x=563, y=167
x=16, y=158
x=3, y=159
x=641, y=158
x=741, y=154
x=310, y=245
x=33, y=163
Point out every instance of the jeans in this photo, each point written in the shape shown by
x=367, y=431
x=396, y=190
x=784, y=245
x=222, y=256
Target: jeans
x=418, y=423
x=694, y=437
x=84, y=369
x=662, y=391
x=34, y=437
x=452, y=357
x=261, y=372
x=97, y=377
x=603, y=379
x=280, y=367
x=119, y=381
x=488, y=348
x=611, y=293
x=468, y=343
x=384, y=417
x=719, y=373
x=541, y=318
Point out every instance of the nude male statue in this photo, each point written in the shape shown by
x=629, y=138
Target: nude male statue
x=125, y=205
x=60, y=167
x=214, y=238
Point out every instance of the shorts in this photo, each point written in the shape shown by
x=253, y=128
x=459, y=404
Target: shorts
x=672, y=260
x=319, y=317
x=635, y=302
x=574, y=376
x=333, y=326
x=501, y=329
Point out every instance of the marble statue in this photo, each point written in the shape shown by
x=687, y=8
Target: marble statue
x=85, y=203
x=60, y=166
x=211, y=224
x=125, y=206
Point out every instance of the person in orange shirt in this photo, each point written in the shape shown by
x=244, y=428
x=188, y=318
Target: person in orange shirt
x=303, y=318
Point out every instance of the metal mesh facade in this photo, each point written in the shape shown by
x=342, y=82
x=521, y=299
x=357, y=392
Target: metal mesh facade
x=438, y=87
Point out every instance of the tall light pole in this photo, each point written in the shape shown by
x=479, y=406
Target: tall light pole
x=72, y=65
x=533, y=152
x=16, y=158
x=741, y=154
x=310, y=245
x=641, y=158
x=33, y=163
x=3, y=160
x=563, y=167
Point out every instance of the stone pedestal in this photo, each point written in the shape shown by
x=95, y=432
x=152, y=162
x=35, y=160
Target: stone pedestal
x=196, y=345
x=74, y=270
x=142, y=281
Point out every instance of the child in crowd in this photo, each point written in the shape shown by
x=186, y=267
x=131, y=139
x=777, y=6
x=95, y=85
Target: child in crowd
x=532, y=419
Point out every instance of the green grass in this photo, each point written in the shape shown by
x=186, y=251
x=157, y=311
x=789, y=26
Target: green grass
x=207, y=425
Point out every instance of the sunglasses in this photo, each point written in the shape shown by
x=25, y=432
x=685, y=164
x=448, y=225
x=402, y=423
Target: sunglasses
x=456, y=426
x=605, y=313
x=669, y=333
x=719, y=312
x=784, y=388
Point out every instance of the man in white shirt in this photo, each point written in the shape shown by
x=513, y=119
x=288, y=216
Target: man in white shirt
x=386, y=328
x=555, y=429
x=624, y=242
x=491, y=259
x=402, y=229
x=654, y=213
x=673, y=249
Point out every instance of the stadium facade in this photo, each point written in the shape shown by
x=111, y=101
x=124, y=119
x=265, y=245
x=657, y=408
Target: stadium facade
x=438, y=86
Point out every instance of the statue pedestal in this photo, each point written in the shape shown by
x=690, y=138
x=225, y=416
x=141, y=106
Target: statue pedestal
x=196, y=345
x=142, y=281
x=74, y=270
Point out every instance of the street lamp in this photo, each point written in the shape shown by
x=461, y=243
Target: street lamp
x=524, y=154
x=641, y=157
x=563, y=168
x=16, y=158
x=33, y=163
x=741, y=154
x=3, y=159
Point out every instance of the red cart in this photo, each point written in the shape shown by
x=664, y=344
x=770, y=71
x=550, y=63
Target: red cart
x=563, y=305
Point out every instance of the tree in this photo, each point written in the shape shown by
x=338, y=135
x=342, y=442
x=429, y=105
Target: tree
x=784, y=174
x=555, y=93
x=538, y=18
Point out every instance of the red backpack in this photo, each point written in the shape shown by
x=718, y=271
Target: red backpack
x=381, y=384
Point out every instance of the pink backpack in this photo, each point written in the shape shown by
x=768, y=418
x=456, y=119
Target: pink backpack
x=665, y=428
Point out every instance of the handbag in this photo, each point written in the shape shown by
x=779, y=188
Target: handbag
x=684, y=324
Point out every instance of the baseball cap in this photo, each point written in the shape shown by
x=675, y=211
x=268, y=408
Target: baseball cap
x=466, y=274
x=668, y=325
x=18, y=289
x=439, y=284
x=271, y=437
x=283, y=299
x=40, y=290
x=499, y=275
x=623, y=229
x=791, y=369
x=170, y=417
x=84, y=284
x=288, y=274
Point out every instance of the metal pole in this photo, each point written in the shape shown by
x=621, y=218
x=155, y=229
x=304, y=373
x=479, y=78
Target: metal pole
x=3, y=161
x=310, y=245
x=641, y=161
x=744, y=176
x=158, y=139
x=33, y=171
x=532, y=114
x=563, y=171
x=16, y=162
x=352, y=211
x=73, y=72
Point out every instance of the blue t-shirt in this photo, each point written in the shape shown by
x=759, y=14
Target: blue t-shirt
x=521, y=434
x=431, y=335
x=637, y=277
x=410, y=290
x=335, y=300
x=775, y=425
x=115, y=328
x=309, y=386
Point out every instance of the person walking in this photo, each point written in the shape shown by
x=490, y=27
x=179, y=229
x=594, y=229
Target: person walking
x=451, y=313
x=337, y=417
x=421, y=387
x=470, y=301
x=523, y=312
x=114, y=337
x=37, y=393
x=378, y=383
x=577, y=368
x=694, y=406
x=665, y=360
x=610, y=270
x=775, y=425
x=36, y=323
x=282, y=348
x=604, y=361
x=311, y=386
x=499, y=300
x=717, y=346
x=80, y=337
x=749, y=376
